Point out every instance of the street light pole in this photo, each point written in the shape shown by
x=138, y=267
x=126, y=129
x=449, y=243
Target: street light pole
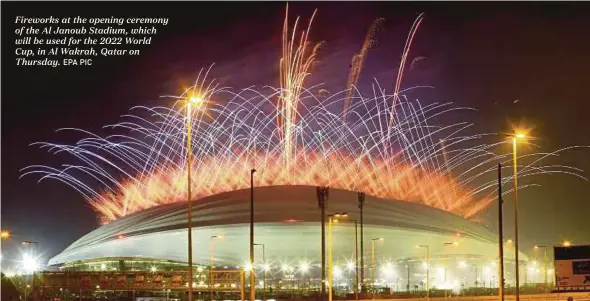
x=356, y=261
x=197, y=101
x=252, y=275
x=427, y=270
x=514, y=159
x=408, y=285
x=356, y=256
x=322, y=194
x=263, y=273
x=361, y=201
x=546, y=264
x=28, y=242
x=211, y=250
x=331, y=219
x=448, y=244
x=373, y=263
x=190, y=206
x=500, y=236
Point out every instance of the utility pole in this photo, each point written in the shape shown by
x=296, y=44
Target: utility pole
x=252, y=275
x=361, y=200
x=322, y=193
x=500, y=237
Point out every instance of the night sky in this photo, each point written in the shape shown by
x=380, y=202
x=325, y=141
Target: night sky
x=517, y=63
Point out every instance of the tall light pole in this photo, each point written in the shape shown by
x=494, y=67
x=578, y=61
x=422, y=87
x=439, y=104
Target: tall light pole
x=252, y=274
x=28, y=243
x=500, y=236
x=263, y=273
x=197, y=101
x=373, y=262
x=515, y=138
x=408, y=285
x=356, y=261
x=331, y=219
x=323, y=193
x=448, y=244
x=427, y=270
x=361, y=201
x=356, y=256
x=211, y=251
x=546, y=263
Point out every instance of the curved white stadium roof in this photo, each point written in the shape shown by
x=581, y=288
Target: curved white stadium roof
x=287, y=222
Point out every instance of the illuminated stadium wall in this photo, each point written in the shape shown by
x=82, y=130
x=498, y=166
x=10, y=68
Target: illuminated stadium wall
x=287, y=223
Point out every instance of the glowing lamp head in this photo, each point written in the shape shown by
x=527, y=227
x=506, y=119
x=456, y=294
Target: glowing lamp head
x=350, y=266
x=5, y=235
x=285, y=267
x=304, y=267
x=520, y=135
x=567, y=243
x=153, y=269
x=388, y=270
x=337, y=272
x=247, y=267
x=29, y=263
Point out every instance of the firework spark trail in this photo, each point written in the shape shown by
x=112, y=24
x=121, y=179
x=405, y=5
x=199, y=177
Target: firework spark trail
x=358, y=60
x=223, y=148
x=389, y=148
x=295, y=66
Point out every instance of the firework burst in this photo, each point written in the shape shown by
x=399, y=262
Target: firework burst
x=383, y=144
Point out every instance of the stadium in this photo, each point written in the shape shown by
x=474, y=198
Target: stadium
x=461, y=253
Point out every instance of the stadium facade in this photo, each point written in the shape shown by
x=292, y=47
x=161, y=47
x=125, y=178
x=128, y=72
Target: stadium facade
x=287, y=222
